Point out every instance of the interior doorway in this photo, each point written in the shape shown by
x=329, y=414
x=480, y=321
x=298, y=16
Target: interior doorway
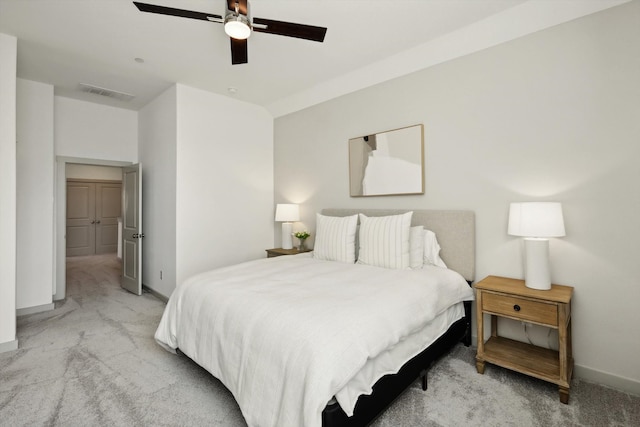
x=78, y=169
x=93, y=212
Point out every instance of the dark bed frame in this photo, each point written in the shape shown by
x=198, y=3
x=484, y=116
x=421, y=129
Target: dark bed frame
x=456, y=234
x=390, y=387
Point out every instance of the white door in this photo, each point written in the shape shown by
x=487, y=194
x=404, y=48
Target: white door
x=132, y=229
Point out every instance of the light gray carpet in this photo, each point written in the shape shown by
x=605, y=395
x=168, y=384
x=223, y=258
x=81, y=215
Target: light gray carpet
x=93, y=362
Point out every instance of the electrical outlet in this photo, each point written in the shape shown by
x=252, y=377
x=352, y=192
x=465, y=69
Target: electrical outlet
x=160, y=274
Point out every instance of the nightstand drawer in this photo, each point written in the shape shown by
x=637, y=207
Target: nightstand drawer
x=520, y=308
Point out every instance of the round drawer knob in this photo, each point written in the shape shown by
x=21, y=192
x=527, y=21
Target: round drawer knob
x=516, y=307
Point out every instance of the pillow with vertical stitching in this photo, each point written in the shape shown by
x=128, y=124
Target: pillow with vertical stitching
x=384, y=241
x=335, y=238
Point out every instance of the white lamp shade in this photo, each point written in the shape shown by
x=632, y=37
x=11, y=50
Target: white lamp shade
x=536, y=219
x=287, y=212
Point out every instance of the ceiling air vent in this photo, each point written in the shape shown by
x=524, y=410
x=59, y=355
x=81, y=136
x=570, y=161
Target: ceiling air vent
x=96, y=90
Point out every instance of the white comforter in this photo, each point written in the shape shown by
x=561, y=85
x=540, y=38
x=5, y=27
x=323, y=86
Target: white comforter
x=286, y=334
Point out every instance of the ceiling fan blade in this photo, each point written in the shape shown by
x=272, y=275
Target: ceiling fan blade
x=239, y=51
x=242, y=6
x=163, y=10
x=289, y=29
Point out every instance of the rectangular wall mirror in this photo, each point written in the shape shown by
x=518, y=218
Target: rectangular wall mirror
x=387, y=163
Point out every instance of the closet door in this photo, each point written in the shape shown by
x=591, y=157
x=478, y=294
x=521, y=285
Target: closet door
x=108, y=204
x=81, y=213
x=93, y=209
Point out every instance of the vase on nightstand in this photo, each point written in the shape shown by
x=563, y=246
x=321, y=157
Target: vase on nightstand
x=301, y=245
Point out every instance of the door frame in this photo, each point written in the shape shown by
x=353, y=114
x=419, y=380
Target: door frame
x=60, y=216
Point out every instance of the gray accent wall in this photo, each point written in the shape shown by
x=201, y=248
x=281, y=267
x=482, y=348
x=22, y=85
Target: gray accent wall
x=552, y=116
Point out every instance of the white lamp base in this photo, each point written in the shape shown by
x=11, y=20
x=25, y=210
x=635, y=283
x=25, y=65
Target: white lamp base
x=537, y=274
x=287, y=241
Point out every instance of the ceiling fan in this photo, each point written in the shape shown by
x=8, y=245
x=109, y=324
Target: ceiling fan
x=238, y=25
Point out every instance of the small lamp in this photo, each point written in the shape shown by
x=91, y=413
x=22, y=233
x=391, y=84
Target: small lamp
x=287, y=213
x=536, y=221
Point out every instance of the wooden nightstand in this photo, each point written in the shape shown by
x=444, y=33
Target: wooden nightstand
x=510, y=298
x=279, y=252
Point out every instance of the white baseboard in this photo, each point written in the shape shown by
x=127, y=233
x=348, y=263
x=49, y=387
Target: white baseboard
x=607, y=379
x=8, y=346
x=35, y=309
x=155, y=293
x=591, y=375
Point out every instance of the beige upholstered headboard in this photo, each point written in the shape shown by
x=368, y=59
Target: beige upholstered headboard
x=455, y=230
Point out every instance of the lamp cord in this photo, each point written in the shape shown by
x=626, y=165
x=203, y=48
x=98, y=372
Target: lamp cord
x=526, y=333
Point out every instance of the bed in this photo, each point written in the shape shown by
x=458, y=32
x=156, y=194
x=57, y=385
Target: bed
x=305, y=341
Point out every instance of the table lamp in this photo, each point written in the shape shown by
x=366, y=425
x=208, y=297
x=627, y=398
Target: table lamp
x=287, y=213
x=536, y=222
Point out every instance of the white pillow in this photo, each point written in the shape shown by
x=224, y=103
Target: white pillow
x=416, y=246
x=432, y=250
x=384, y=241
x=335, y=238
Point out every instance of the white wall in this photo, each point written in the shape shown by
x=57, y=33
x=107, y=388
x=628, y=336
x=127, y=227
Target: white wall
x=87, y=133
x=35, y=172
x=8, y=55
x=95, y=131
x=551, y=116
x=207, y=184
x=157, y=153
x=104, y=173
x=224, y=193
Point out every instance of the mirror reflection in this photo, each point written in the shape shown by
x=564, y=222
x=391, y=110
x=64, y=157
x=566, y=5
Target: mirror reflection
x=387, y=163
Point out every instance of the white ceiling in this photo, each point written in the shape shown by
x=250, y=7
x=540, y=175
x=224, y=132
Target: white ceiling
x=68, y=42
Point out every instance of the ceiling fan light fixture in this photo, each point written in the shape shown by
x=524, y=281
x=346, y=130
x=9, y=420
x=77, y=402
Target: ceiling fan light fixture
x=237, y=26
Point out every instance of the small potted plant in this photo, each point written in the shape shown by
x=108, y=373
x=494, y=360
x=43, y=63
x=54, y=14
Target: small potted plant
x=302, y=236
